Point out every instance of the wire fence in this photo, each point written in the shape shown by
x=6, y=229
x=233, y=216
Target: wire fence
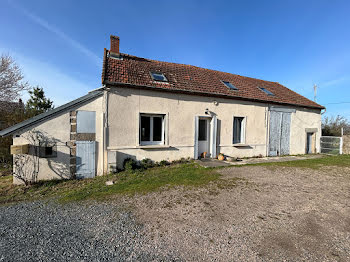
x=331, y=145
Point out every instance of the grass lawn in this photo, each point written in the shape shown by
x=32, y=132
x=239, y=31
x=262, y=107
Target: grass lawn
x=315, y=163
x=189, y=174
x=140, y=182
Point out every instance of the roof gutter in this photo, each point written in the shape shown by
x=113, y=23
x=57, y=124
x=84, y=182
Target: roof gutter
x=204, y=94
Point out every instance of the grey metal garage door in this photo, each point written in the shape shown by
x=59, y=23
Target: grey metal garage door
x=86, y=159
x=279, y=133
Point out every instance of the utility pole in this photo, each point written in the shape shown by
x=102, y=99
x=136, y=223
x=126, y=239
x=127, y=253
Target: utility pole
x=315, y=91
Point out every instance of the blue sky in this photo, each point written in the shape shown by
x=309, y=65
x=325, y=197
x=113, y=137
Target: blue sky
x=59, y=44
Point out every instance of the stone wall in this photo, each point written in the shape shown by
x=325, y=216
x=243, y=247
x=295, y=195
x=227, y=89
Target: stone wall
x=346, y=144
x=73, y=148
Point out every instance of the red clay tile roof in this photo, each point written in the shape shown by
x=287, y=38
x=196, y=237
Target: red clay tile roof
x=135, y=71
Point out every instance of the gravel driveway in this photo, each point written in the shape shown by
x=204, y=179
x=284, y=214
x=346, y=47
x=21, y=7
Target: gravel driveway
x=253, y=214
x=45, y=231
x=272, y=214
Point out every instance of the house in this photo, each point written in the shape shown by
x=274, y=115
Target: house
x=164, y=111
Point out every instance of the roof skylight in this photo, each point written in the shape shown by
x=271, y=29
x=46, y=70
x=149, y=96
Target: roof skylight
x=229, y=85
x=266, y=91
x=158, y=77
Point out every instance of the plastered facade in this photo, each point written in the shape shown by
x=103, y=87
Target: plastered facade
x=123, y=107
x=126, y=104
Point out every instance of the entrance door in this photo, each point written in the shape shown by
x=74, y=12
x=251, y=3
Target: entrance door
x=205, y=132
x=203, y=136
x=279, y=137
x=85, y=159
x=309, y=143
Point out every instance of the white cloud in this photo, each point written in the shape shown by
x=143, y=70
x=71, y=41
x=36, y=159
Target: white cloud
x=58, y=86
x=333, y=82
x=59, y=33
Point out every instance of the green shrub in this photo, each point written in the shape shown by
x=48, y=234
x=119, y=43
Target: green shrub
x=147, y=163
x=182, y=160
x=129, y=164
x=164, y=163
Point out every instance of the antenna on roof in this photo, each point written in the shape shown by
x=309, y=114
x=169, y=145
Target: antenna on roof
x=315, y=92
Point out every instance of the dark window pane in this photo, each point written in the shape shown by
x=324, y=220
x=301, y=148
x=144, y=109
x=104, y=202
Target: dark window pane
x=157, y=129
x=267, y=91
x=202, y=134
x=237, y=130
x=159, y=77
x=229, y=85
x=145, y=128
x=48, y=151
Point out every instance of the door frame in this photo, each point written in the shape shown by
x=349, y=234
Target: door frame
x=207, y=139
x=312, y=148
x=212, y=135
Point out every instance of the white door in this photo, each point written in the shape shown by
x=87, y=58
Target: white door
x=203, y=136
x=85, y=159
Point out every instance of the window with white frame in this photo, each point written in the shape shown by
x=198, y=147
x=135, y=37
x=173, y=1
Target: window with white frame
x=151, y=129
x=239, y=130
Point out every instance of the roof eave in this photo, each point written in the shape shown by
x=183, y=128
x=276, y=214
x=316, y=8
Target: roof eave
x=192, y=92
x=42, y=117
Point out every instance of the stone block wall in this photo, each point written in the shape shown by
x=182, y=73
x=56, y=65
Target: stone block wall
x=346, y=144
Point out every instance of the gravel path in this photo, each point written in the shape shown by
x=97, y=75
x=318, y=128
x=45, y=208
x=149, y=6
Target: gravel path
x=272, y=214
x=42, y=231
x=254, y=214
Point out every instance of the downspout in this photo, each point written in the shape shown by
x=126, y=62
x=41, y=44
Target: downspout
x=105, y=113
x=105, y=130
x=319, y=145
x=267, y=124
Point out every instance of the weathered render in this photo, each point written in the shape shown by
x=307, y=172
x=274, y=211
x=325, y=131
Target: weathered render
x=57, y=131
x=180, y=110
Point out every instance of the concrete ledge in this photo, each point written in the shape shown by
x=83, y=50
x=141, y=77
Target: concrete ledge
x=240, y=145
x=153, y=147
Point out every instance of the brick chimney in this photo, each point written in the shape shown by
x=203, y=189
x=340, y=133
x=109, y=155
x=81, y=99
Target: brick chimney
x=114, y=45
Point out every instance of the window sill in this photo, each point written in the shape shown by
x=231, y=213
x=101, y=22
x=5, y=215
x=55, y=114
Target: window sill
x=153, y=146
x=240, y=145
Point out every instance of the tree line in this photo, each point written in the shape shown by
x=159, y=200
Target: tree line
x=12, y=109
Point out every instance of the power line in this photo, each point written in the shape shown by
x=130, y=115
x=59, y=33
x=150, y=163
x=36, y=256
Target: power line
x=337, y=103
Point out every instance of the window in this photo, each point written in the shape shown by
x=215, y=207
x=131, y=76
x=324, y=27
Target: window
x=159, y=77
x=151, y=129
x=229, y=85
x=266, y=91
x=86, y=122
x=48, y=151
x=238, y=130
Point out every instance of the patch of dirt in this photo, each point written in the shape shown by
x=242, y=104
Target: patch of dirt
x=254, y=213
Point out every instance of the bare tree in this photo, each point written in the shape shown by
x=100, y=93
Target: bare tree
x=331, y=126
x=26, y=166
x=11, y=79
